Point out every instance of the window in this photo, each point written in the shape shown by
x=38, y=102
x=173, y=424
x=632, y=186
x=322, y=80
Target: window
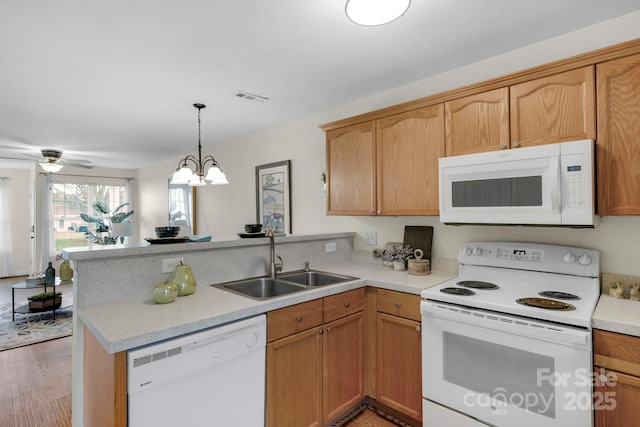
x=70, y=199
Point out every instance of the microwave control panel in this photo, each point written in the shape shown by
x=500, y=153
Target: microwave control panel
x=574, y=186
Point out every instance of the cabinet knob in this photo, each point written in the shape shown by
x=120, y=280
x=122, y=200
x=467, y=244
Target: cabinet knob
x=329, y=329
x=397, y=305
x=346, y=304
x=418, y=328
x=515, y=144
x=379, y=212
x=321, y=331
x=299, y=319
x=503, y=146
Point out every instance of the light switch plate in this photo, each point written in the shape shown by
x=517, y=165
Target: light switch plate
x=330, y=247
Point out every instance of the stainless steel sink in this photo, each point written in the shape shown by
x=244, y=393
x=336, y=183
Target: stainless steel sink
x=261, y=288
x=315, y=278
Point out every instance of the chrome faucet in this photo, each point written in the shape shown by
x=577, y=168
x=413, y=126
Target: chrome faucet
x=274, y=268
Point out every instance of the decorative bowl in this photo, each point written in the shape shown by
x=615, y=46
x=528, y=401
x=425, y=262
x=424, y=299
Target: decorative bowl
x=253, y=228
x=167, y=231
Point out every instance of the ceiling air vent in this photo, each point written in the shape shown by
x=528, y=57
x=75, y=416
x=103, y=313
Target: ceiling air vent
x=251, y=97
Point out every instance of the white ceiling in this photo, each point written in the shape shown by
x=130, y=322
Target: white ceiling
x=114, y=81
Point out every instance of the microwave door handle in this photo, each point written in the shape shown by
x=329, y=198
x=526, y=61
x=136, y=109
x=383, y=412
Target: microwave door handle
x=555, y=184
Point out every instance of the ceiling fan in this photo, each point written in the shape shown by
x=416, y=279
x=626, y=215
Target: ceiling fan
x=51, y=161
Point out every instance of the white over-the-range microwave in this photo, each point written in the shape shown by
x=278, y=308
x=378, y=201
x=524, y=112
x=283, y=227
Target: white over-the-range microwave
x=549, y=185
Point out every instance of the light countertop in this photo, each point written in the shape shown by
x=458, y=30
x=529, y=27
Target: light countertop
x=132, y=323
x=617, y=315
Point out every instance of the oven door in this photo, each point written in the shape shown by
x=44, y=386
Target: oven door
x=505, y=370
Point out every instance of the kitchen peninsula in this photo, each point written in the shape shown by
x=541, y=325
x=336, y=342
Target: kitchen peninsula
x=114, y=288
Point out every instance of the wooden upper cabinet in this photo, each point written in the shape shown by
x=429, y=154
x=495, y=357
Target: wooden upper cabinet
x=553, y=109
x=351, y=170
x=618, y=143
x=408, y=147
x=477, y=123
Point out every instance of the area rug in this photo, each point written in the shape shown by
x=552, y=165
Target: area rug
x=33, y=328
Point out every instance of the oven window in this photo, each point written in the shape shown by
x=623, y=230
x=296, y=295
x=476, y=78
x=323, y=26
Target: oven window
x=504, y=373
x=520, y=191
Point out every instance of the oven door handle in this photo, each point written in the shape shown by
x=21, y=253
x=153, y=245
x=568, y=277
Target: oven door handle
x=522, y=327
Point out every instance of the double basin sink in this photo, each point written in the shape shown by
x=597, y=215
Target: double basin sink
x=262, y=288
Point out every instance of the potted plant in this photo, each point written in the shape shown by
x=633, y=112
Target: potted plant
x=45, y=301
x=104, y=233
x=397, y=257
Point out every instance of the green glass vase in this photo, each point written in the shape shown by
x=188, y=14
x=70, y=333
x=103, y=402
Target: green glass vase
x=66, y=273
x=184, y=279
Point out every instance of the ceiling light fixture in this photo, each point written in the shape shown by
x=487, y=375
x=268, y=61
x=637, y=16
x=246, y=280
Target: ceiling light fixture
x=375, y=12
x=185, y=175
x=50, y=167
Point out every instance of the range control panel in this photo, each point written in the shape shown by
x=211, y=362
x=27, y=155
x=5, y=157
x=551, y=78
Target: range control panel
x=532, y=256
x=521, y=254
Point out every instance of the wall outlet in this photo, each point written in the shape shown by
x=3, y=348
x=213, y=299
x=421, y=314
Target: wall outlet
x=169, y=264
x=372, y=237
x=330, y=247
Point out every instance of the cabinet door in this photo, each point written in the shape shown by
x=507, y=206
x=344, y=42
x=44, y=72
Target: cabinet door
x=615, y=401
x=399, y=364
x=343, y=353
x=618, y=144
x=477, y=123
x=409, y=145
x=294, y=380
x=351, y=170
x=554, y=109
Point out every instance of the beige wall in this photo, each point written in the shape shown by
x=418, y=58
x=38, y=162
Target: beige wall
x=223, y=210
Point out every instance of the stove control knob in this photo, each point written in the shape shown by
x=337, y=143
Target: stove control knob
x=477, y=251
x=584, y=259
x=569, y=257
x=467, y=250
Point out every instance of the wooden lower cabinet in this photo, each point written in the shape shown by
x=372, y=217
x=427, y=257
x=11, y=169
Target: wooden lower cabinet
x=399, y=364
x=399, y=352
x=342, y=357
x=315, y=375
x=294, y=380
x=104, y=384
x=617, y=379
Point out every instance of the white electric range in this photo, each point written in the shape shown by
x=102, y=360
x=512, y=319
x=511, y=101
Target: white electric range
x=508, y=342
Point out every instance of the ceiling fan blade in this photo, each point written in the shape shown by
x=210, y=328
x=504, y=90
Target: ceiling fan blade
x=85, y=164
x=32, y=156
x=14, y=158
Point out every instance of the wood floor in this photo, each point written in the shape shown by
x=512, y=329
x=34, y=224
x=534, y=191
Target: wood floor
x=369, y=419
x=36, y=385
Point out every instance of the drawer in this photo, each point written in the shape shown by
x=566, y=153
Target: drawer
x=616, y=351
x=343, y=304
x=289, y=320
x=398, y=304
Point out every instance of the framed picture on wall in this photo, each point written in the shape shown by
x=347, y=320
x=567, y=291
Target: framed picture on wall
x=273, y=196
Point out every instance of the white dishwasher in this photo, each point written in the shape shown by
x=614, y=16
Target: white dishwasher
x=215, y=377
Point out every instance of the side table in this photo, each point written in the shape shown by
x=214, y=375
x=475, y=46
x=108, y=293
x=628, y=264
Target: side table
x=24, y=309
